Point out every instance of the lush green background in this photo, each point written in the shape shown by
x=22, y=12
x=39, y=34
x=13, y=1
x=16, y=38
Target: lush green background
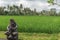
x=43, y=24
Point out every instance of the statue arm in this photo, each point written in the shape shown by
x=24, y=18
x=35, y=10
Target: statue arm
x=8, y=27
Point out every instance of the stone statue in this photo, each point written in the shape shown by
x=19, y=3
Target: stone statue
x=12, y=33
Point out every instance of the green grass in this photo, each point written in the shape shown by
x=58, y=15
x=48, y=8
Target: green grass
x=38, y=24
x=35, y=36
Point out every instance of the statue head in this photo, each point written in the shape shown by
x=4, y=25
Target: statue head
x=12, y=23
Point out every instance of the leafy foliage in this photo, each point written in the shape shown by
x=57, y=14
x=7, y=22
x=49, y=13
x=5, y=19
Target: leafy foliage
x=51, y=1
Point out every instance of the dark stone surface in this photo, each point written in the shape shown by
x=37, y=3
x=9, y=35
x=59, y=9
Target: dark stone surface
x=12, y=34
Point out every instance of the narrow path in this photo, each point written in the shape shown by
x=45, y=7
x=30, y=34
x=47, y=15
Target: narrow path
x=34, y=36
x=2, y=39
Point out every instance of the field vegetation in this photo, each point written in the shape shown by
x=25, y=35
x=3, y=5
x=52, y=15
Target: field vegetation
x=33, y=24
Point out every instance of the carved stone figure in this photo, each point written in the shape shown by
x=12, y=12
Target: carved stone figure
x=12, y=33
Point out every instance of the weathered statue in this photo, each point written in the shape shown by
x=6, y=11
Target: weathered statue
x=12, y=33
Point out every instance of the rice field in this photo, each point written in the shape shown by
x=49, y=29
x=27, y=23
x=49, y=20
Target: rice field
x=33, y=24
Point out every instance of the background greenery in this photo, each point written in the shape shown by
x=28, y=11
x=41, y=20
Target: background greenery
x=38, y=24
x=21, y=10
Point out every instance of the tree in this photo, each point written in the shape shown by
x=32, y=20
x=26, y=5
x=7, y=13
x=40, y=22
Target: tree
x=51, y=1
x=15, y=10
x=27, y=11
x=21, y=6
x=21, y=9
x=35, y=12
x=53, y=12
x=2, y=10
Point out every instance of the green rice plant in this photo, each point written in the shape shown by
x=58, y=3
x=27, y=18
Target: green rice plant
x=38, y=24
